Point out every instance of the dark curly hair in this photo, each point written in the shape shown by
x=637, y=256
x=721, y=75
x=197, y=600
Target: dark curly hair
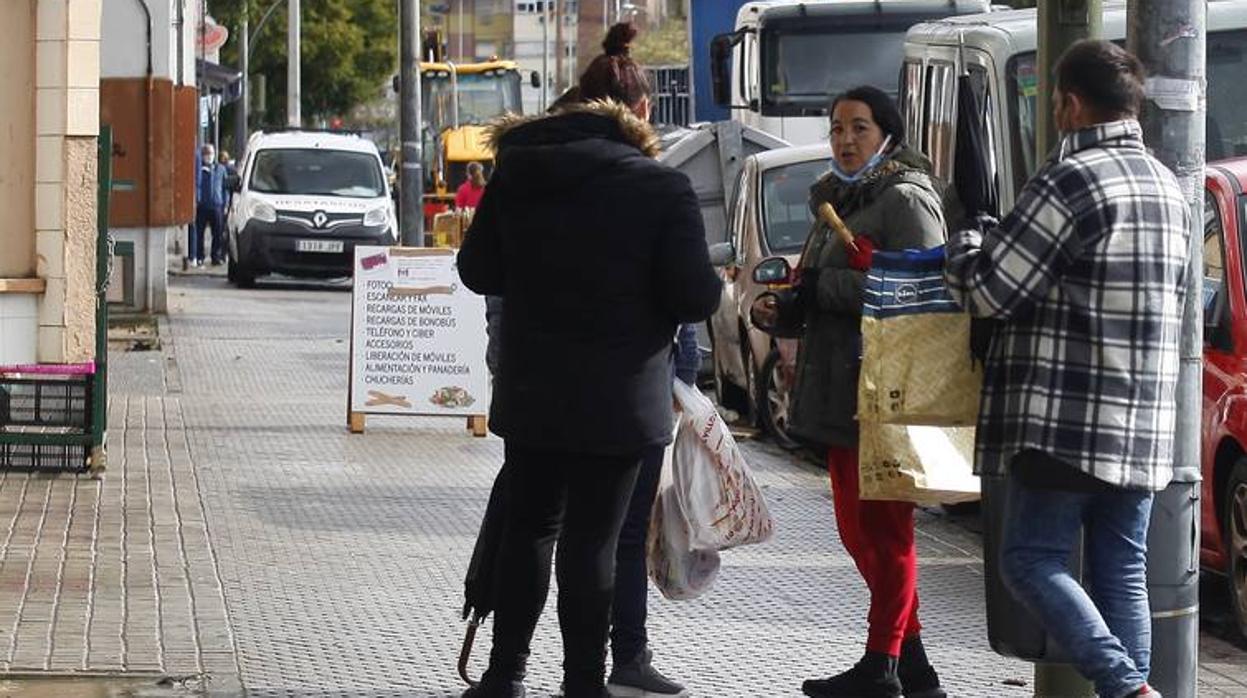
x=613, y=74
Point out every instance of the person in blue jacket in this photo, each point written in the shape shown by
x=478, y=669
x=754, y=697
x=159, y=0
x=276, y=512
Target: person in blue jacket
x=210, y=200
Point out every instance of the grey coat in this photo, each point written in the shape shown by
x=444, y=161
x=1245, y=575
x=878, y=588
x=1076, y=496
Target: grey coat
x=897, y=207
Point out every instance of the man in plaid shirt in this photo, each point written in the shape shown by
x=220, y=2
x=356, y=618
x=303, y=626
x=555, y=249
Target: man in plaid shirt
x=1085, y=276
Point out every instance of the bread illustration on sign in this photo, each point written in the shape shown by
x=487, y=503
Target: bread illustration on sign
x=377, y=398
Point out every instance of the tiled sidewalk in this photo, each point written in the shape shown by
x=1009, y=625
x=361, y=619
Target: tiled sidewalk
x=115, y=574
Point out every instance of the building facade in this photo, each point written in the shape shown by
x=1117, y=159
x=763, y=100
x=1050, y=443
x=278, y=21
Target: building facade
x=553, y=48
x=49, y=122
x=148, y=96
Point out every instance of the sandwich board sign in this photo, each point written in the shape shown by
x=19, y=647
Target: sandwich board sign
x=417, y=338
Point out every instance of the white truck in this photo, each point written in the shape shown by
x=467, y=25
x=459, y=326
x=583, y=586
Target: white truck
x=785, y=60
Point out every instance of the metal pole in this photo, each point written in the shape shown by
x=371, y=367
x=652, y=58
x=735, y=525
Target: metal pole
x=559, y=50
x=545, y=54
x=294, y=112
x=1061, y=24
x=242, y=111
x=411, y=182
x=1170, y=38
x=461, y=30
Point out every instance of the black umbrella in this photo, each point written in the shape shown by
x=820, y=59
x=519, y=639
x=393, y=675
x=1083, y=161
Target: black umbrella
x=480, y=583
x=974, y=177
x=974, y=180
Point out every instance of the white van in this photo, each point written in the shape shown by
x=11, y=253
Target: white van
x=998, y=52
x=302, y=202
x=787, y=59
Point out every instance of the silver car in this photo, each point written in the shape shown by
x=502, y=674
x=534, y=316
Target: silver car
x=769, y=217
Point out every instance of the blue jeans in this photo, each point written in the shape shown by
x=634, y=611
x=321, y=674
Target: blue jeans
x=1106, y=627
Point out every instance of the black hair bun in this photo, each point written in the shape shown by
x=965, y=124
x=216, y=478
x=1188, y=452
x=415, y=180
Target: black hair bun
x=618, y=41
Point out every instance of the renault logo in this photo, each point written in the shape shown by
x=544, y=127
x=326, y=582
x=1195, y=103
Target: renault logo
x=319, y=219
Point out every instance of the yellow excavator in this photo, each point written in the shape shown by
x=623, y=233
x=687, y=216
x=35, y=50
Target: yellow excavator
x=457, y=101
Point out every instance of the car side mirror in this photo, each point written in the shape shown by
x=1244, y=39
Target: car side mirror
x=233, y=182
x=535, y=79
x=772, y=271
x=722, y=254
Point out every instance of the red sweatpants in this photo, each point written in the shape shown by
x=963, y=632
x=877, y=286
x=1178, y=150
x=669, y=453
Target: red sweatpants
x=880, y=538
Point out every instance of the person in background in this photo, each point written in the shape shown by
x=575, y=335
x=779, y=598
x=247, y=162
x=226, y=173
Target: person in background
x=1085, y=277
x=887, y=197
x=210, y=208
x=599, y=255
x=473, y=188
x=230, y=169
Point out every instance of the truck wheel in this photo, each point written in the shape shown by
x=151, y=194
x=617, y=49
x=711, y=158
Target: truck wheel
x=773, y=398
x=1234, y=518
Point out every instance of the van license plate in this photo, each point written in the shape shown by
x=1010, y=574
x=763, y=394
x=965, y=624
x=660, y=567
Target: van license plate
x=319, y=246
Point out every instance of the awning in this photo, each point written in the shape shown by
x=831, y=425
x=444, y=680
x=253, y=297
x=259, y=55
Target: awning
x=219, y=79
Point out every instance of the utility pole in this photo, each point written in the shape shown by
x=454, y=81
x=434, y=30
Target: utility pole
x=545, y=53
x=558, y=47
x=1061, y=24
x=411, y=181
x=294, y=97
x=241, y=112
x=1170, y=38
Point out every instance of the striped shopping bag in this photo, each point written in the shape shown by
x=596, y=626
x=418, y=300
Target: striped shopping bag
x=917, y=366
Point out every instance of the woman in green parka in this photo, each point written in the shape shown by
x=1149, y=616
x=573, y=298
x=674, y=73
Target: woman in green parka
x=888, y=200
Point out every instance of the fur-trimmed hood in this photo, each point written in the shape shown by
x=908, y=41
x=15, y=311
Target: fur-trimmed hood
x=564, y=152
x=629, y=128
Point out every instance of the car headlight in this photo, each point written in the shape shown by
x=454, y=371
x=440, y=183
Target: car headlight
x=377, y=216
x=262, y=212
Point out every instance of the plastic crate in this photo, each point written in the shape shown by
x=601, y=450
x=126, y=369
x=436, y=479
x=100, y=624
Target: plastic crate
x=45, y=422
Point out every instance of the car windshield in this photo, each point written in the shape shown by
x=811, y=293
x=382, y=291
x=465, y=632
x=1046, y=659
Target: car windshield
x=803, y=66
x=1226, y=125
x=317, y=172
x=786, y=214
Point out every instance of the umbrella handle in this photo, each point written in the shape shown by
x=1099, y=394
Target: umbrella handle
x=828, y=214
x=469, y=638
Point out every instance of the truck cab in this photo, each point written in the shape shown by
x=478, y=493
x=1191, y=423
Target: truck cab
x=784, y=62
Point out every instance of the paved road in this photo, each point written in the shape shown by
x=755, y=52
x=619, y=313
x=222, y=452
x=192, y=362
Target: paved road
x=341, y=556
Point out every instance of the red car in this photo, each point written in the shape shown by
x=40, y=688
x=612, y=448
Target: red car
x=1224, y=438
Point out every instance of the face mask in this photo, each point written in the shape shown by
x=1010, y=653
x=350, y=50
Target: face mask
x=866, y=169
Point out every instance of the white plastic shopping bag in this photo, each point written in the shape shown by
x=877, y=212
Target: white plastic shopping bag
x=718, y=496
x=677, y=571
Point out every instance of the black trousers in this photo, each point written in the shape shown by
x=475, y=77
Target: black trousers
x=578, y=500
x=628, y=613
x=209, y=217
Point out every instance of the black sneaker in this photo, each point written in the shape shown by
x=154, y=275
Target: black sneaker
x=874, y=676
x=918, y=677
x=639, y=679
x=509, y=689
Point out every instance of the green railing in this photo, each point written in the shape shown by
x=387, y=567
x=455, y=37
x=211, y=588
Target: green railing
x=103, y=269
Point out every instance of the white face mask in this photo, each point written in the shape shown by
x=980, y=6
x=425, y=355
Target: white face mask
x=866, y=169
